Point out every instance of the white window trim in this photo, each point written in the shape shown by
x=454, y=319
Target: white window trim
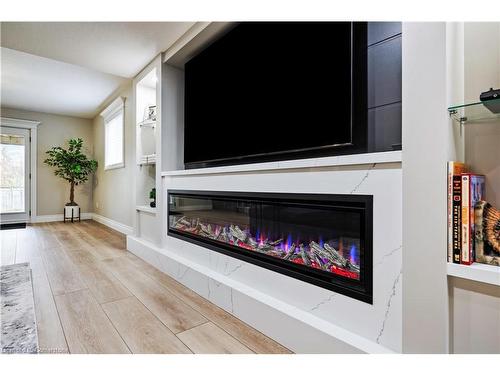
x=117, y=106
x=33, y=127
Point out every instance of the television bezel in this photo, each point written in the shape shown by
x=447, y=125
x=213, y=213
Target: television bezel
x=358, y=122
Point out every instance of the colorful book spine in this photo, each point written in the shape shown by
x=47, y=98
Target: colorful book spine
x=457, y=217
x=454, y=168
x=465, y=257
x=473, y=187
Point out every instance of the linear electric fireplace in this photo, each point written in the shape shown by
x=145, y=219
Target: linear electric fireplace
x=322, y=239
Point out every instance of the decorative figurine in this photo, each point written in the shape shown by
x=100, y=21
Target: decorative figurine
x=487, y=233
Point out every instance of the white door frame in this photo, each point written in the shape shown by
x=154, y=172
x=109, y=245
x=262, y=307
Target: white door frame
x=32, y=126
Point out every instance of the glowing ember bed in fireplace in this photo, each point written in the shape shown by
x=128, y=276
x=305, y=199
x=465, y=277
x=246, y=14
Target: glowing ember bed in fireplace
x=323, y=239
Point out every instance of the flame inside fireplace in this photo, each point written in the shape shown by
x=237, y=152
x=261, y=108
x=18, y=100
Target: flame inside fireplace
x=339, y=256
x=353, y=254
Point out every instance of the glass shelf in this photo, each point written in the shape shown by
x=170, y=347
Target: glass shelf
x=474, y=112
x=147, y=124
x=147, y=160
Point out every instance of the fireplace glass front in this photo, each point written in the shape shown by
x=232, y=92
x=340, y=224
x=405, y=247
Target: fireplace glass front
x=318, y=238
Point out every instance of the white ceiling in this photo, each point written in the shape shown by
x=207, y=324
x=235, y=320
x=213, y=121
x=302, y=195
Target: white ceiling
x=72, y=68
x=39, y=84
x=119, y=48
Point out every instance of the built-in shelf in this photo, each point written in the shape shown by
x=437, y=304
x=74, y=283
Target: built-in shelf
x=151, y=210
x=473, y=112
x=141, y=164
x=147, y=160
x=147, y=124
x=477, y=271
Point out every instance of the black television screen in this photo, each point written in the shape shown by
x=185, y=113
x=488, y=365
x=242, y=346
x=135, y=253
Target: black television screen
x=270, y=91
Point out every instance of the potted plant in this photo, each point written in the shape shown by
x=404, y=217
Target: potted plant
x=152, y=195
x=73, y=166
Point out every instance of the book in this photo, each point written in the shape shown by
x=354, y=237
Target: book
x=457, y=218
x=472, y=192
x=454, y=168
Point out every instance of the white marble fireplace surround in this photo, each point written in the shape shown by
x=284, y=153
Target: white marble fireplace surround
x=303, y=317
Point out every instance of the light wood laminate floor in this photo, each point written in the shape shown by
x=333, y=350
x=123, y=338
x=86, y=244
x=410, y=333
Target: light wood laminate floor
x=93, y=296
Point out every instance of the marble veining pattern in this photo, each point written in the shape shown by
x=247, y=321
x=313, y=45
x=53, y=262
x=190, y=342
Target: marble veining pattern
x=19, y=334
x=364, y=178
x=182, y=274
x=220, y=294
x=231, y=271
x=327, y=300
x=390, y=253
x=388, y=308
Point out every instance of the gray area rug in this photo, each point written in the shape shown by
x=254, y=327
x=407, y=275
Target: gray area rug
x=18, y=320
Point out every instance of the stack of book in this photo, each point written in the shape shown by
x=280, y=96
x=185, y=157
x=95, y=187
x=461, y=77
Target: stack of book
x=465, y=190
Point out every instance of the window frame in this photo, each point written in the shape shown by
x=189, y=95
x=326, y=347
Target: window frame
x=116, y=108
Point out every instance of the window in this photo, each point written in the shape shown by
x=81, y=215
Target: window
x=13, y=178
x=113, y=134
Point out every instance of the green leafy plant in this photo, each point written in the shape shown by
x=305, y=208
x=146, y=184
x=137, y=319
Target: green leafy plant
x=71, y=165
x=152, y=195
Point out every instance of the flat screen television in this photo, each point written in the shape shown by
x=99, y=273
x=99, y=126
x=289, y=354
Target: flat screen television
x=276, y=90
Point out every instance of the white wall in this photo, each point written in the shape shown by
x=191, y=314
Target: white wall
x=56, y=130
x=114, y=188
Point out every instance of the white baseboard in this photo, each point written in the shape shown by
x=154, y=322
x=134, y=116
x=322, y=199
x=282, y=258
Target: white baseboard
x=58, y=217
x=122, y=228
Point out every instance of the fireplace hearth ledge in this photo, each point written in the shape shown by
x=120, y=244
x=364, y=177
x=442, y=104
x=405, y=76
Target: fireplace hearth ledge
x=352, y=342
x=331, y=161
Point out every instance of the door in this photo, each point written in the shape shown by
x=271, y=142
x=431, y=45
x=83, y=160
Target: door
x=15, y=175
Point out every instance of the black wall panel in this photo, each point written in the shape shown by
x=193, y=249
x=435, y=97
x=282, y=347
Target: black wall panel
x=384, y=86
x=384, y=73
x=378, y=31
x=384, y=128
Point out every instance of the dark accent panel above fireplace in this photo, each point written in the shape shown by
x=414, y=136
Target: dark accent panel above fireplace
x=322, y=239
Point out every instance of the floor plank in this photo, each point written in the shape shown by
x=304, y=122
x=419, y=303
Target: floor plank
x=249, y=336
x=210, y=339
x=98, y=231
x=117, y=237
x=51, y=338
x=104, y=285
x=100, y=247
x=141, y=330
x=87, y=327
x=8, y=238
x=174, y=313
x=45, y=237
x=66, y=237
x=96, y=248
x=28, y=250
x=63, y=276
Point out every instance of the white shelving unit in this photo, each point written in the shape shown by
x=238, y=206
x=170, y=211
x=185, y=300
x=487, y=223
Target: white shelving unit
x=475, y=134
x=147, y=95
x=148, y=209
x=483, y=273
x=475, y=114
